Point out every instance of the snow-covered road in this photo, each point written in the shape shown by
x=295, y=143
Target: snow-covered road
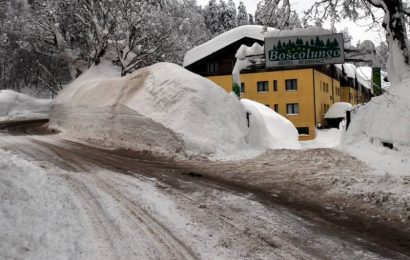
x=66, y=200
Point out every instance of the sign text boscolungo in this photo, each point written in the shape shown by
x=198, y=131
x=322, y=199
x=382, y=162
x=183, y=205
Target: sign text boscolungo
x=304, y=50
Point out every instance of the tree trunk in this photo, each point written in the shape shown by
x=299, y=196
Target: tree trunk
x=399, y=60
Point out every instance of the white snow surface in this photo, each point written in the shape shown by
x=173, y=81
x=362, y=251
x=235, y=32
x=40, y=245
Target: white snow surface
x=348, y=68
x=338, y=110
x=167, y=109
x=221, y=41
x=384, y=119
x=325, y=138
x=274, y=130
x=17, y=105
x=242, y=61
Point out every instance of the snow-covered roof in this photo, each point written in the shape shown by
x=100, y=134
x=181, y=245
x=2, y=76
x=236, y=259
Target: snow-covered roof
x=364, y=76
x=338, y=110
x=350, y=70
x=221, y=41
x=298, y=32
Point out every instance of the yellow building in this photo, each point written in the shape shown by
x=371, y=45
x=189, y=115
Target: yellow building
x=302, y=95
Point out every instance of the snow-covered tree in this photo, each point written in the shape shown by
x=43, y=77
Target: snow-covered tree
x=395, y=14
x=269, y=13
x=242, y=18
x=251, y=19
x=347, y=37
x=189, y=30
x=228, y=15
x=143, y=29
x=383, y=53
x=212, y=18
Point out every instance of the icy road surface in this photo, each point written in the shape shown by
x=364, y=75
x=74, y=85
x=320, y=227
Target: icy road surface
x=66, y=200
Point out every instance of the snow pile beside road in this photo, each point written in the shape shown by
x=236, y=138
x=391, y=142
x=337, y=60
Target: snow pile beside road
x=271, y=128
x=14, y=104
x=382, y=122
x=164, y=108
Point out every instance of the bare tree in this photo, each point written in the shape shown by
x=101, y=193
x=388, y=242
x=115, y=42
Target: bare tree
x=394, y=22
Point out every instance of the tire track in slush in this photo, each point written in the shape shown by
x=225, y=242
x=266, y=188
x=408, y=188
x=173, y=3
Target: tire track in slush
x=81, y=160
x=168, y=245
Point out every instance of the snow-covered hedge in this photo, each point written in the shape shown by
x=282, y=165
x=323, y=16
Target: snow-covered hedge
x=165, y=108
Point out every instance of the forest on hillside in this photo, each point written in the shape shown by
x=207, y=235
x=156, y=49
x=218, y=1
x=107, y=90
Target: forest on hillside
x=46, y=43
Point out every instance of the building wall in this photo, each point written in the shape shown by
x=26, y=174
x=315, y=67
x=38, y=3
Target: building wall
x=327, y=92
x=350, y=95
x=306, y=96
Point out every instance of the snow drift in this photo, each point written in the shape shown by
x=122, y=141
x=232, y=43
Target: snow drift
x=162, y=108
x=271, y=128
x=14, y=104
x=385, y=118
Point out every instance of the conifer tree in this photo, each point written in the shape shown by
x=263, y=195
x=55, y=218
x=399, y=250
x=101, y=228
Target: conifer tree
x=242, y=15
x=212, y=18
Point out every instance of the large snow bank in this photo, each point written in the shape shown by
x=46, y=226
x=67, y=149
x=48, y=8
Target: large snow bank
x=385, y=118
x=13, y=104
x=162, y=108
x=221, y=41
x=272, y=129
x=338, y=110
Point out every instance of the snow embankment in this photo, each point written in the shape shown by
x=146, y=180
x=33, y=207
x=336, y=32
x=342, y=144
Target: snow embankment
x=381, y=123
x=162, y=108
x=17, y=105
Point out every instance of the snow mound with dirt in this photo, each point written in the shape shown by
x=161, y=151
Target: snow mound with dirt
x=162, y=108
x=17, y=105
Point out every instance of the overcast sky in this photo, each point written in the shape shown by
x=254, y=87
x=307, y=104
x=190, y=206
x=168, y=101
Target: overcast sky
x=359, y=31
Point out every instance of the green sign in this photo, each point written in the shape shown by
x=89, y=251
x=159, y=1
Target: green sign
x=304, y=50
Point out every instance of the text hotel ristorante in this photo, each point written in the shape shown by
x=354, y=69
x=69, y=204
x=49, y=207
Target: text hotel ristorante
x=304, y=50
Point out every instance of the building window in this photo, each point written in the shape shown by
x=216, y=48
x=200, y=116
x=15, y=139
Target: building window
x=276, y=108
x=267, y=105
x=327, y=87
x=292, y=109
x=263, y=86
x=275, y=85
x=242, y=87
x=291, y=84
x=303, y=130
x=213, y=68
